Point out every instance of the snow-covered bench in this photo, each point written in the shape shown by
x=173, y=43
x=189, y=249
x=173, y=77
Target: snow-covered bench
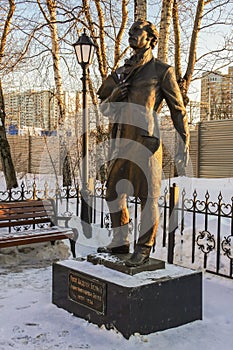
x=32, y=221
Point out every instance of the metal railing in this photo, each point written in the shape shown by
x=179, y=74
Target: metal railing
x=196, y=233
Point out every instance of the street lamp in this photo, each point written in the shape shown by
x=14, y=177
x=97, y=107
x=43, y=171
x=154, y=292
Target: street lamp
x=84, y=49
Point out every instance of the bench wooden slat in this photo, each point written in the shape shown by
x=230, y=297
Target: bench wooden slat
x=26, y=204
x=51, y=229
x=25, y=216
x=11, y=242
x=18, y=211
x=34, y=204
x=24, y=222
x=36, y=232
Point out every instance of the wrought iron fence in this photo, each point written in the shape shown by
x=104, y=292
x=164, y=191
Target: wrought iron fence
x=210, y=229
x=194, y=232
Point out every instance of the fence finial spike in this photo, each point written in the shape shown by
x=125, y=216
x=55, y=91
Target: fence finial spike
x=220, y=197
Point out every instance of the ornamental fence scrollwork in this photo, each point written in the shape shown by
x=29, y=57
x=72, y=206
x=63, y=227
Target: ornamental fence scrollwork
x=206, y=243
x=227, y=246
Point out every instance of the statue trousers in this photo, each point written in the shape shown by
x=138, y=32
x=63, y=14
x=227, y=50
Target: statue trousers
x=117, y=204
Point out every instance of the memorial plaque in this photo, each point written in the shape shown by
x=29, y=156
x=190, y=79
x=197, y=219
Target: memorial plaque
x=87, y=291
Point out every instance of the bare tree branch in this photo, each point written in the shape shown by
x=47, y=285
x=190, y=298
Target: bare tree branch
x=117, y=53
x=177, y=37
x=6, y=28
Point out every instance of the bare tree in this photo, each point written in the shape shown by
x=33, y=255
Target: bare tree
x=101, y=31
x=51, y=20
x=210, y=18
x=8, y=166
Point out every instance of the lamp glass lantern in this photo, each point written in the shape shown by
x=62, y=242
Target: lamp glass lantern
x=84, y=49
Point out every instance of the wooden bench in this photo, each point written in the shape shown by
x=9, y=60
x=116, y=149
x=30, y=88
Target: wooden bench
x=32, y=221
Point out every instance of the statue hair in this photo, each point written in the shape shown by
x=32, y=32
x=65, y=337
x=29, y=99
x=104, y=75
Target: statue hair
x=151, y=30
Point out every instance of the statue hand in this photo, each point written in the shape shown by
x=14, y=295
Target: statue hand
x=119, y=93
x=181, y=160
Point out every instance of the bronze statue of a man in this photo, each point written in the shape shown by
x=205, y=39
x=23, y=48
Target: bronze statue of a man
x=130, y=97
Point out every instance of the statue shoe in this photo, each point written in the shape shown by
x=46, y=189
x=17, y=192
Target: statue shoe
x=119, y=243
x=123, y=249
x=139, y=257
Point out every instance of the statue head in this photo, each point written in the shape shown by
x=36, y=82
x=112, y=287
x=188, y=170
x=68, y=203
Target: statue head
x=142, y=28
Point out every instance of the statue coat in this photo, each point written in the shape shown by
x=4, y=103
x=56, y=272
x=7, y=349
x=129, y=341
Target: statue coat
x=136, y=147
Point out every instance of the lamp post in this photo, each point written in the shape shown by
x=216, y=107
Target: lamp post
x=84, y=49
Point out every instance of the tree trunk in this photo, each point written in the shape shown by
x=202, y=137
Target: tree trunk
x=5, y=153
x=100, y=49
x=52, y=23
x=194, y=40
x=164, y=31
x=177, y=40
x=140, y=9
x=185, y=81
x=52, y=7
x=117, y=51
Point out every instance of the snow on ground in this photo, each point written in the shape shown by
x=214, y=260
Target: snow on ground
x=29, y=320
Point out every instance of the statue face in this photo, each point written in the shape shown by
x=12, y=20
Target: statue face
x=138, y=36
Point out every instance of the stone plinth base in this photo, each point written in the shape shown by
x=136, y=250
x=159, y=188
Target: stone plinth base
x=144, y=303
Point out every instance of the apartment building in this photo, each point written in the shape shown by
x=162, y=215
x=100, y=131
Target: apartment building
x=37, y=109
x=217, y=95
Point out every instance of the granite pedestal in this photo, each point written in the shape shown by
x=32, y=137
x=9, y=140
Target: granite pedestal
x=143, y=303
